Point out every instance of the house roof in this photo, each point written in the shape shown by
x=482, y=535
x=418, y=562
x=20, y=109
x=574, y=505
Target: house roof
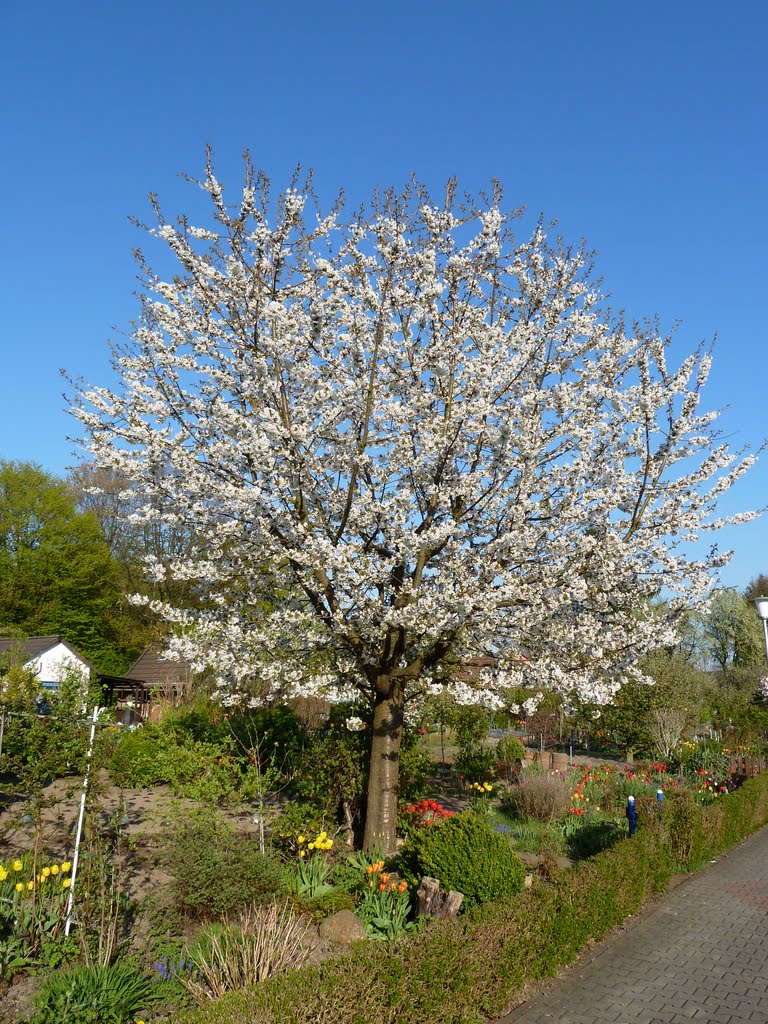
x=34, y=646
x=153, y=669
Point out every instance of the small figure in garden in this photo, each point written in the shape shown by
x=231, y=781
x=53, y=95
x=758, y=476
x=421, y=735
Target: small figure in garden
x=631, y=813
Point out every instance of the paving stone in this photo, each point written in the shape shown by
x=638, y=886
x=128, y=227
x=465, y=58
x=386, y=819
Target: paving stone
x=700, y=956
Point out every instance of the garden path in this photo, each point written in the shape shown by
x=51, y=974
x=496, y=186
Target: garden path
x=700, y=955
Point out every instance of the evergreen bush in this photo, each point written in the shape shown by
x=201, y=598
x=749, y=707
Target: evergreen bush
x=465, y=854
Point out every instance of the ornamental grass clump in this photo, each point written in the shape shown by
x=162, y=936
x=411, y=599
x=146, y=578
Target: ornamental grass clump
x=260, y=943
x=540, y=796
x=467, y=855
x=118, y=994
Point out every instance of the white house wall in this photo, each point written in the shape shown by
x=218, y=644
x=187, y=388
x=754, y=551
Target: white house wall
x=54, y=665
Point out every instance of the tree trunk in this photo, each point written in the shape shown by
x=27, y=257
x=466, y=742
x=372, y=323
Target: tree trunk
x=381, y=811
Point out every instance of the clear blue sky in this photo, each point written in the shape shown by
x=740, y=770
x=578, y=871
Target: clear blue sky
x=641, y=127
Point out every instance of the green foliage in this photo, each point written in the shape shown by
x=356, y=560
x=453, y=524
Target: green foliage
x=524, y=939
x=297, y=819
x=216, y=870
x=38, y=748
x=465, y=854
x=276, y=727
x=322, y=906
x=731, y=633
x=57, y=577
x=385, y=908
x=707, y=757
x=151, y=756
x=590, y=834
x=93, y=995
x=682, y=821
x=416, y=767
x=470, y=723
x=332, y=771
x=509, y=750
x=475, y=763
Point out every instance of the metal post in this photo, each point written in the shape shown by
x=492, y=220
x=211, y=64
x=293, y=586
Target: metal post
x=765, y=632
x=2, y=731
x=81, y=815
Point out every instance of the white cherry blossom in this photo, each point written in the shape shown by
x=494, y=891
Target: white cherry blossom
x=404, y=438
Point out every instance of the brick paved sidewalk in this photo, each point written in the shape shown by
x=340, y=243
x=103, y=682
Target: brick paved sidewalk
x=701, y=955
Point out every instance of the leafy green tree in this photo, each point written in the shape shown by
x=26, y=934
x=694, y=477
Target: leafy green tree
x=731, y=635
x=57, y=576
x=757, y=587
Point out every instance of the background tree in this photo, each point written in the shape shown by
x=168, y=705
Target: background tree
x=757, y=587
x=731, y=633
x=430, y=430
x=56, y=573
x=133, y=542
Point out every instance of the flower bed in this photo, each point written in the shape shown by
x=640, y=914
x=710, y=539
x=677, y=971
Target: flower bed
x=484, y=958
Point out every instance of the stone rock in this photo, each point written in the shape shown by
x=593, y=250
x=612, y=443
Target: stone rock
x=528, y=881
x=343, y=927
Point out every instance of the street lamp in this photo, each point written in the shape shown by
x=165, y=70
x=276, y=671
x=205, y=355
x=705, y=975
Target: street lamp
x=761, y=603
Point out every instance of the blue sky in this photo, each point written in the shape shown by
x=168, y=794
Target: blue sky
x=639, y=127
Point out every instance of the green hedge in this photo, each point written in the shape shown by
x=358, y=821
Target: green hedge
x=484, y=957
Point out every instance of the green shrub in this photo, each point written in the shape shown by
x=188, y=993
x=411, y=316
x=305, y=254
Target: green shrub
x=92, y=995
x=152, y=757
x=475, y=763
x=216, y=870
x=416, y=766
x=509, y=750
x=465, y=854
x=509, y=758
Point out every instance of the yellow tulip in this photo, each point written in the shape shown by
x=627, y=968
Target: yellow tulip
x=45, y=872
x=54, y=869
x=19, y=886
x=66, y=882
x=17, y=865
x=66, y=866
x=311, y=846
x=30, y=886
x=302, y=853
x=302, y=839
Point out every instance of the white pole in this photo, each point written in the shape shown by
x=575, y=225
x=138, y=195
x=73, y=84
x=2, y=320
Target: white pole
x=79, y=833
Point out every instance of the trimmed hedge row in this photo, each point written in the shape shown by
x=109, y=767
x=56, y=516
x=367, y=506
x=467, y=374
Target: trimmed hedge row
x=484, y=957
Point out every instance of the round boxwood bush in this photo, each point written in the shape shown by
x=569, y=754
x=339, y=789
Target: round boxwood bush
x=464, y=853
